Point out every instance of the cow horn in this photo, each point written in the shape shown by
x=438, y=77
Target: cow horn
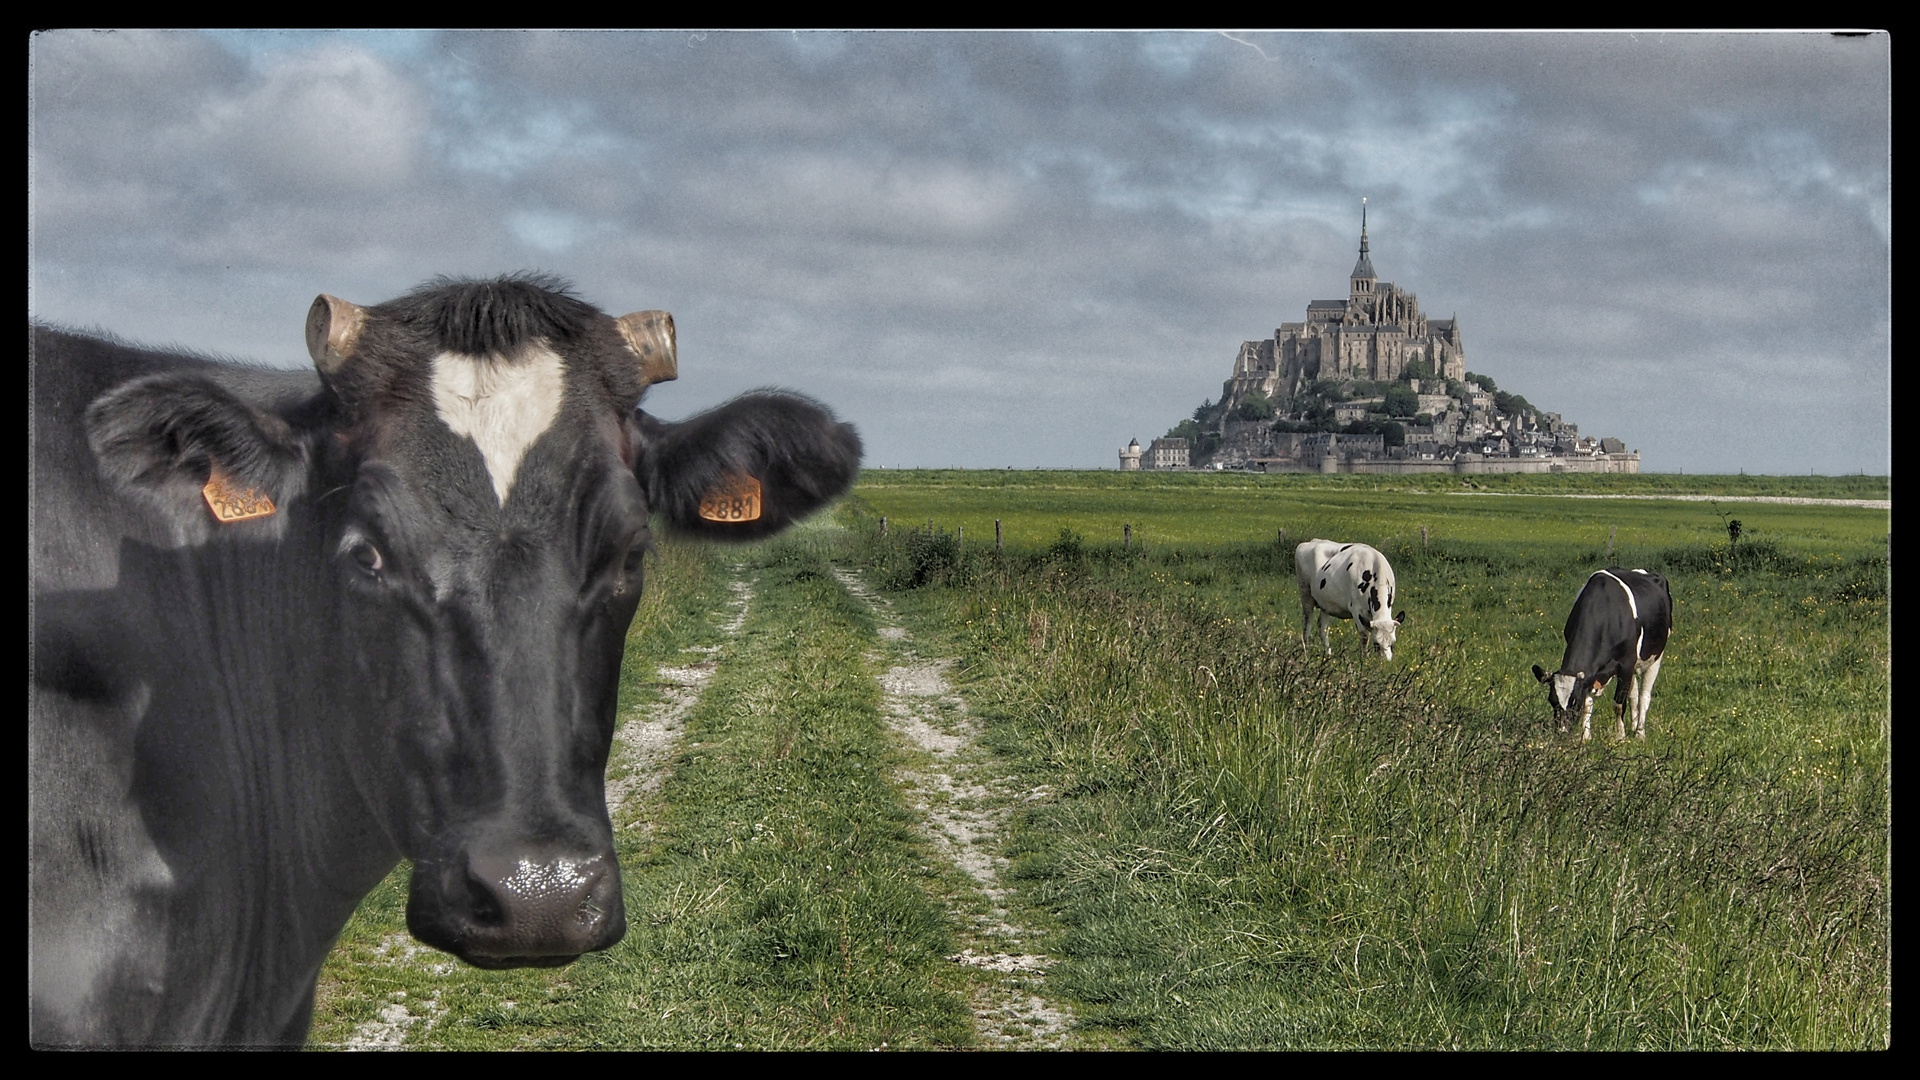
x=649, y=335
x=333, y=331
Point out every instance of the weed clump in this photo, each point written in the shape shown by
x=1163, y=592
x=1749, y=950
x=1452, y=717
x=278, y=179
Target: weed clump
x=921, y=556
x=1863, y=581
x=1069, y=547
x=1734, y=559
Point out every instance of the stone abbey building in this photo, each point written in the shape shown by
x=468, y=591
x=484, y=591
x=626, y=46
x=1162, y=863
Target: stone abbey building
x=1373, y=334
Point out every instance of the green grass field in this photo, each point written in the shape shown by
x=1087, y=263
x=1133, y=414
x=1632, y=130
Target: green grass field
x=1249, y=844
x=1262, y=847
x=1238, y=508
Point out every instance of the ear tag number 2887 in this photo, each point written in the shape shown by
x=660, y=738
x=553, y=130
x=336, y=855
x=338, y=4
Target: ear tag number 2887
x=736, y=499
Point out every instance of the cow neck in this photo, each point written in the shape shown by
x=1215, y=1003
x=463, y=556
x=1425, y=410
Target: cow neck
x=275, y=774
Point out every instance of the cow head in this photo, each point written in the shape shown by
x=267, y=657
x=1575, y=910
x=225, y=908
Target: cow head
x=476, y=481
x=1384, y=631
x=1567, y=693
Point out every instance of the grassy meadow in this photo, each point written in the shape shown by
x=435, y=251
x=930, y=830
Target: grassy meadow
x=1247, y=844
x=1255, y=846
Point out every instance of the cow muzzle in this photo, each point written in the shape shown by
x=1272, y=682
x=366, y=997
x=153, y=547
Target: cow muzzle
x=504, y=911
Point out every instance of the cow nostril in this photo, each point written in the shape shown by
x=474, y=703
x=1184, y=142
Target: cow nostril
x=484, y=906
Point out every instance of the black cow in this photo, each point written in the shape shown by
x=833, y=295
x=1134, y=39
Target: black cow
x=1618, y=630
x=288, y=628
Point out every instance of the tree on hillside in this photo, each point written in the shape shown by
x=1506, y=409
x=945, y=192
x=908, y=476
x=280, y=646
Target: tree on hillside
x=1484, y=382
x=1254, y=406
x=1326, y=390
x=1391, y=433
x=1402, y=401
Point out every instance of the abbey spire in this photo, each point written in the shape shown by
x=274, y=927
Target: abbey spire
x=1363, y=275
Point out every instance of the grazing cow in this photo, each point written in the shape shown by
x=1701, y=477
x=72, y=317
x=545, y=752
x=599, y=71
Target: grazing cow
x=1618, y=630
x=289, y=627
x=1346, y=581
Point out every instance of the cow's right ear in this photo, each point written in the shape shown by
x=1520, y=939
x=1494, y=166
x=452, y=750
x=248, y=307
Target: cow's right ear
x=199, y=455
x=747, y=469
x=1540, y=673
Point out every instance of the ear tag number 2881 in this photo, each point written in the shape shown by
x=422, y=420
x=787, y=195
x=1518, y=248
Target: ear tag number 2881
x=736, y=499
x=230, y=502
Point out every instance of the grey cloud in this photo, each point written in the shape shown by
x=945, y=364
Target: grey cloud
x=1018, y=249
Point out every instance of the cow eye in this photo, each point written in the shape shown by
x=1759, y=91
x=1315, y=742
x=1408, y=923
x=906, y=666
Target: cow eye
x=366, y=557
x=631, y=562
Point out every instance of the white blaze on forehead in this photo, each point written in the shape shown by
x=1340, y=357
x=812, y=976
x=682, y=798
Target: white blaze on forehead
x=502, y=405
x=1563, y=691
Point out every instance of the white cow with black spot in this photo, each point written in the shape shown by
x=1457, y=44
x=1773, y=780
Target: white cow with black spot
x=1347, y=581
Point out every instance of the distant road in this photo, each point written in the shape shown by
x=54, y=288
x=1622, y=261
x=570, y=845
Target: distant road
x=1789, y=500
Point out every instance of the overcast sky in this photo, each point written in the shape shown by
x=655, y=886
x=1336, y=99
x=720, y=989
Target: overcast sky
x=1020, y=249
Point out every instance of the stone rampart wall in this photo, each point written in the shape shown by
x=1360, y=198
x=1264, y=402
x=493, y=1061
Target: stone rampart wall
x=1465, y=463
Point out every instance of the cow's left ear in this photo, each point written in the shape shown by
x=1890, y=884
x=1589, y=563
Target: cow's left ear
x=747, y=469
x=1400, y=617
x=191, y=448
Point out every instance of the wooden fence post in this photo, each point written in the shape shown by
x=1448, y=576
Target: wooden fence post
x=1610, y=535
x=959, y=533
x=1423, y=538
x=883, y=524
x=996, y=536
x=1283, y=538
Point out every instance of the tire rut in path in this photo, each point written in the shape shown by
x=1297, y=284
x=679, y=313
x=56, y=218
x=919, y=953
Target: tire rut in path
x=644, y=743
x=965, y=805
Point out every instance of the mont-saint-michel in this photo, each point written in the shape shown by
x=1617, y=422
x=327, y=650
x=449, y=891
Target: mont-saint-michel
x=1371, y=384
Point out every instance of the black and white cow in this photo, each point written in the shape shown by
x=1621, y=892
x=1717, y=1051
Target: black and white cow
x=289, y=627
x=1618, y=630
x=1346, y=581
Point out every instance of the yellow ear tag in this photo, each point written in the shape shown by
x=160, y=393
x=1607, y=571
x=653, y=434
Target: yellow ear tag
x=736, y=499
x=230, y=503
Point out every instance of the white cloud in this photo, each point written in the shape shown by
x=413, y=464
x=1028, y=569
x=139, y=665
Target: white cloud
x=550, y=231
x=336, y=119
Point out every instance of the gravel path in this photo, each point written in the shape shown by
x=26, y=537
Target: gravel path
x=399, y=1015
x=644, y=743
x=966, y=806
